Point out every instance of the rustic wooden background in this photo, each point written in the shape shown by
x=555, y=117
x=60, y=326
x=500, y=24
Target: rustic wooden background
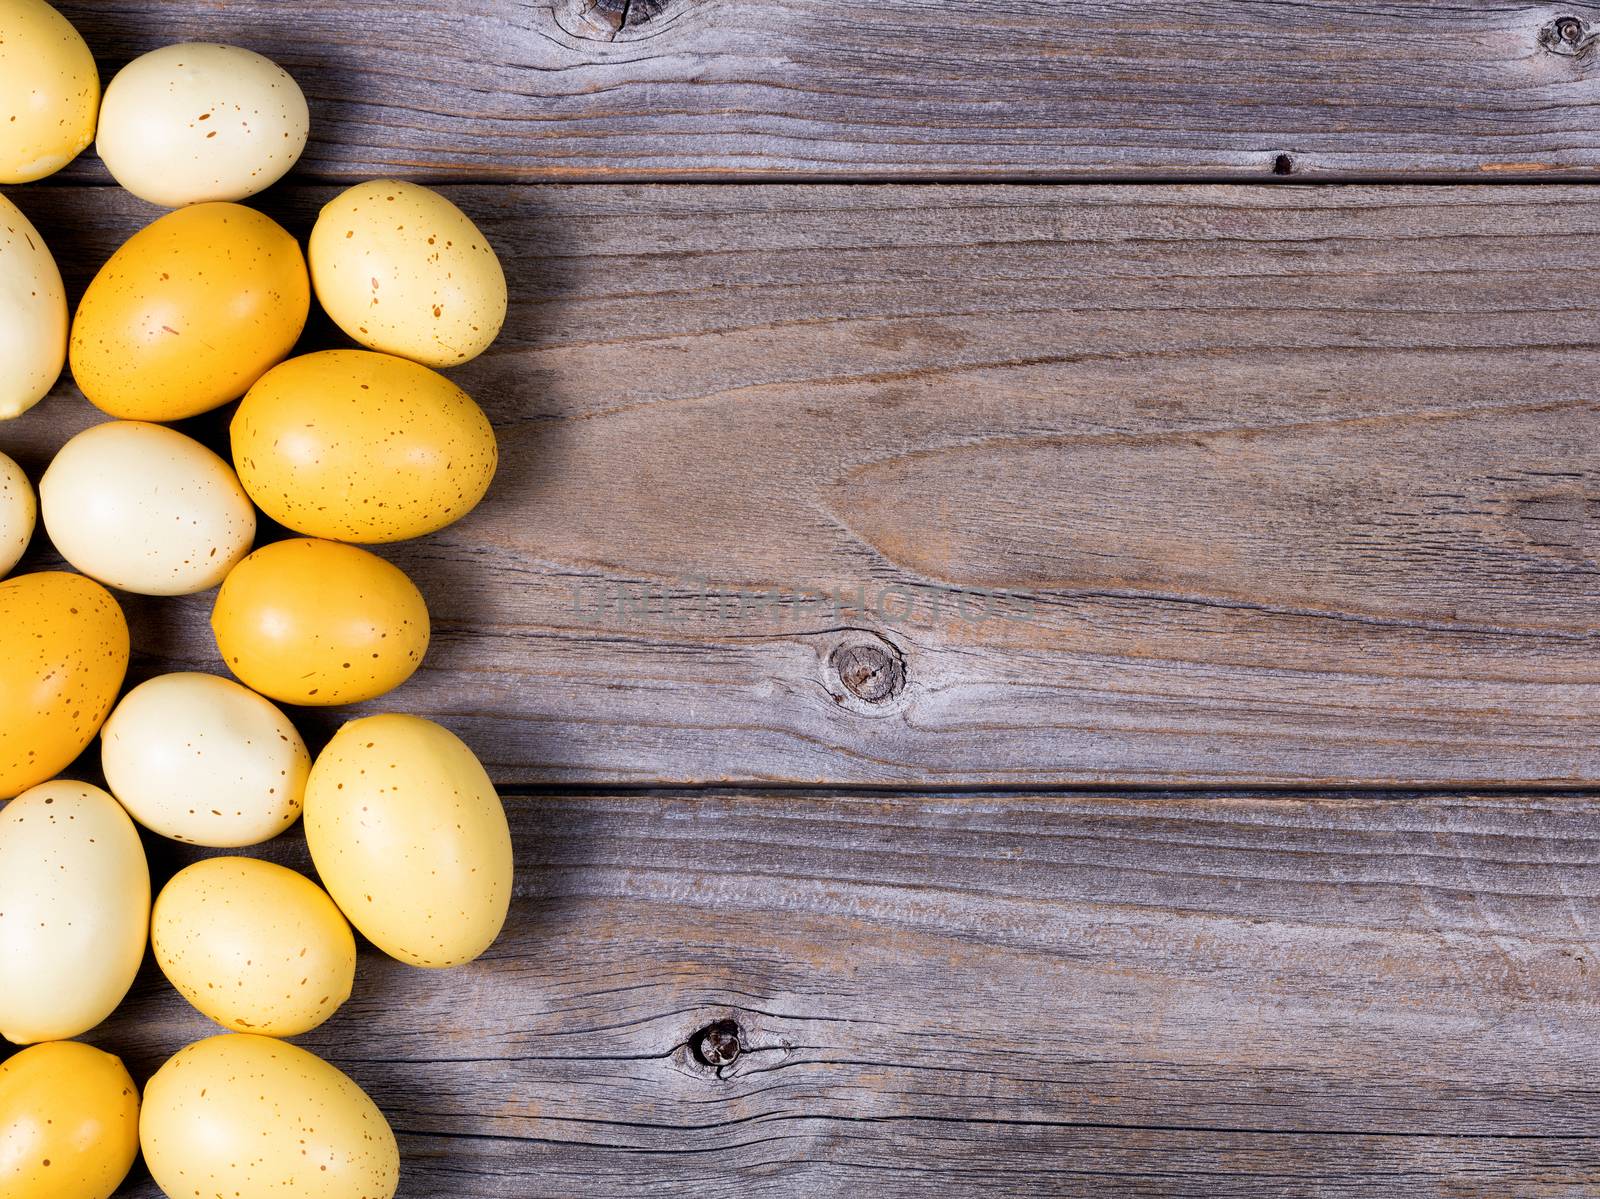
x=1027, y=652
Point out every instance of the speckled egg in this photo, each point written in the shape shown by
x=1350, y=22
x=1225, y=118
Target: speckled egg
x=410, y=839
x=69, y=1123
x=63, y=655
x=198, y=121
x=191, y=311
x=143, y=508
x=319, y=623
x=253, y=945
x=74, y=910
x=33, y=313
x=18, y=509
x=49, y=91
x=201, y=759
x=251, y=1117
x=357, y=446
x=403, y=270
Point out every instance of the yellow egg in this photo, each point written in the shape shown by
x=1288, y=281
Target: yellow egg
x=63, y=654
x=33, y=310
x=198, y=121
x=251, y=1117
x=201, y=759
x=74, y=910
x=254, y=945
x=145, y=509
x=403, y=270
x=69, y=1123
x=410, y=839
x=319, y=623
x=191, y=311
x=357, y=446
x=18, y=510
x=49, y=91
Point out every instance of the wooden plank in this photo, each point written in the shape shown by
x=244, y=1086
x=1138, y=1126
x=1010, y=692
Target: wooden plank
x=1107, y=484
x=1092, y=994
x=482, y=90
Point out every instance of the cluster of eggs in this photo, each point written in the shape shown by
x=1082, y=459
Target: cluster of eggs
x=201, y=308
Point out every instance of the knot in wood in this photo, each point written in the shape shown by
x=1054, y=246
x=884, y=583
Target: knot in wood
x=603, y=20
x=1569, y=36
x=716, y=1044
x=869, y=672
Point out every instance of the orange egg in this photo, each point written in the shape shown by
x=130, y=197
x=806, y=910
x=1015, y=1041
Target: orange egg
x=63, y=655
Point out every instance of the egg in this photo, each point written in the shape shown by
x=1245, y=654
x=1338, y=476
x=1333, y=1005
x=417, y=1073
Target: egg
x=201, y=759
x=403, y=270
x=318, y=623
x=198, y=121
x=188, y=313
x=145, y=509
x=49, y=91
x=33, y=310
x=74, y=910
x=253, y=1117
x=69, y=1123
x=253, y=945
x=17, y=512
x=410, y=839
x=63, y=654
x=357, y=446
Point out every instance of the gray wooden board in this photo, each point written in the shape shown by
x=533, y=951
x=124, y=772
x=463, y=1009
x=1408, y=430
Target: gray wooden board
x=1076, y=484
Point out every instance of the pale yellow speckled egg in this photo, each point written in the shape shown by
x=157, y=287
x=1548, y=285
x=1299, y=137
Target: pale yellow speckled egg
x=357, y=446
x=63, y=655
x=33, y=313
x=252, y=1117
x=69, y=1123
x=18, y=510
x=199, y=121
x=74, y=910
x=253, y=945
x=49, y=91
x=193, y=309
x=318, y=623
x=403, y=270
x=410, y=839
x=143, y=508
x=201, y=759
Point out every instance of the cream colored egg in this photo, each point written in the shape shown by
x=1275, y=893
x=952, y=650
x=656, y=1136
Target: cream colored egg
x=33, y=314
x=254, y=945
x=403, y=270
x=146, y=509
x=198, y=121
x=49, y=91
x=18, y=510
x=251, y=1117
x=201, y=759
x=74, y=910
x=410, y=839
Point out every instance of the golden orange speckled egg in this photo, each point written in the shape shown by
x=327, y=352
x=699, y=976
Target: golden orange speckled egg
x=403, y=270
x=254, y=1117
x=49, y=91
x=63, y=655
x=69, y=1123
x=317, y=622
x=356, y=446
x=191, y=311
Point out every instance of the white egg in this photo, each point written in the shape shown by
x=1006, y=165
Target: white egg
x=199, y=121
x=33, y=314
x=201, y=759
x=146, y=509
x=18, y=510
x=74, y=910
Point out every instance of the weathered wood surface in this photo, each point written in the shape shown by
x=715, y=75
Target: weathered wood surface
x=670, y=89
x=1133, y=484
x=1166, y=995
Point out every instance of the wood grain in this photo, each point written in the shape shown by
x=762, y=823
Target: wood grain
x=484, y=90
x=1157, y=995
x=1100, y=484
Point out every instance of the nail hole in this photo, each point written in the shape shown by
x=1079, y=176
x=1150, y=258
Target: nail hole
x=1283, y=165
